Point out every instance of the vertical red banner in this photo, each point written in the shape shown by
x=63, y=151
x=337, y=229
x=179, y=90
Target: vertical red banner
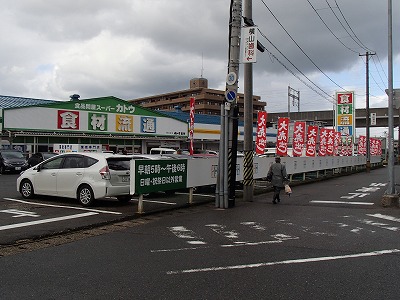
x=362, y=145
x=330, y=141
x=191, y=126
x=282, y=136
x=380, y=147
x=261, y=139
x=336, y=143
x=323, y=139
x=312, y=134
x=299, y=138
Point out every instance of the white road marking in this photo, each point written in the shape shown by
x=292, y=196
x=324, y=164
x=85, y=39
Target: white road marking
x=285, y=262
x=380, y=225
x=341, y=202
x=385, y=217
x=220, y=229
x=187, y=234
x=25, y=224
x=63, y=206
x=20, y=213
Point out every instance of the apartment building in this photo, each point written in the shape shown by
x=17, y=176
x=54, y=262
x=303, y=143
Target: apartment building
x=208, y=101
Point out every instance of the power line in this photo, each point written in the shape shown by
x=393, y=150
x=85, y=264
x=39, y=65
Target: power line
x=295, y=75
x=326, y=25
x=326, y=75
x=363, y=46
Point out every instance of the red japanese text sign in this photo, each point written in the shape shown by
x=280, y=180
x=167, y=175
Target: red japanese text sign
x=282, y=136
x=299, y=138
x=330, y=141
x=191, y=126
x=362, y=145
x=323, y=140
x=336, y=143
x=261, y=139
x=312, y=133
x=68, y=120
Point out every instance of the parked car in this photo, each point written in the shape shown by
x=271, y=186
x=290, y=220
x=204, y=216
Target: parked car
x=12, y=161
x=39, y=157
x=162, y=151
x=85, y=176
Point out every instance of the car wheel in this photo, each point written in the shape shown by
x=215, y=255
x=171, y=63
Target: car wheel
x=26, y=189
x=1, y=169
x=85, y=195
x=124, y=199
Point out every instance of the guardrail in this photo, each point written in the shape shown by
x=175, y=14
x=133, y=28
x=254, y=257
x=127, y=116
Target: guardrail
x=171, y=174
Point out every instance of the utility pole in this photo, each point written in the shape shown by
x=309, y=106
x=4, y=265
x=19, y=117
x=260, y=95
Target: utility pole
x=293, y=95
x=248, y=181
x=229, y=109
x=390, y=196
x=368, y=157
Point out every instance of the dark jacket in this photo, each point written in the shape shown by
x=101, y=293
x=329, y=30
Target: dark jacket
x=279, y=175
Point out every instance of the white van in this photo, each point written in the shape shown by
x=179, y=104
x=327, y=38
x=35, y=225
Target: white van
x=162, y=151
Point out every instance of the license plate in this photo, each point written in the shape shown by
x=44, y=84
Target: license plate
x=125, y=178
x=17, y=168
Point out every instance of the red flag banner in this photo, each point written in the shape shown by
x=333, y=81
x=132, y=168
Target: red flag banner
x=191, y=126
x=323, y=138
x=261, y=139
x=312, y=133
x=330, y=141
x=362, y=145
x=282, y=136
x=336, y=143
x=299, y=138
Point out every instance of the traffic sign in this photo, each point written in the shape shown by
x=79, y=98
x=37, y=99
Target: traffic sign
x=230, y=95
x=231, y=78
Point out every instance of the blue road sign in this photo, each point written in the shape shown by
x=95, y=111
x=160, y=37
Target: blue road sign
x=230, y=96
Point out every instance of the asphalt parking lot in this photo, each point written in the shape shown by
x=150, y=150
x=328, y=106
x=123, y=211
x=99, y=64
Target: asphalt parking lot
x=22, y=220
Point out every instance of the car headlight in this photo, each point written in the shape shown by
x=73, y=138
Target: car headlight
x=7, y=163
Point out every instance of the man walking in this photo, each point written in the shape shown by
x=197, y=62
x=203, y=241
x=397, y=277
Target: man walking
x=278, y=175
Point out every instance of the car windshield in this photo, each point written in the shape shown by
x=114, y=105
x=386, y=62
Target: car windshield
x=12, y=155
x=48, y=155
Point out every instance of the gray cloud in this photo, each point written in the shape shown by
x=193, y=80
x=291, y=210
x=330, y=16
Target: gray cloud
x=133, y=48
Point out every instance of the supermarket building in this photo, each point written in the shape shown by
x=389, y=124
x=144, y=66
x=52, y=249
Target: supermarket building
x=38, y=125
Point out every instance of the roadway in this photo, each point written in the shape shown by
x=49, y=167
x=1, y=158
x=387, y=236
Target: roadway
x=330, y=239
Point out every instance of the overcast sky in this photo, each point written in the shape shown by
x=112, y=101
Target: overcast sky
x=136, y=48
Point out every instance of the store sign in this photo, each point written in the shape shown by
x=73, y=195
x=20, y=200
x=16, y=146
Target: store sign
x=345, y=114
x=157, y=175
x=116, y=118
x=249, y=35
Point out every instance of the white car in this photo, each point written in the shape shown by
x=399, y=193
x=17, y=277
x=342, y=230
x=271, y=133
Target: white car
x=85, y=176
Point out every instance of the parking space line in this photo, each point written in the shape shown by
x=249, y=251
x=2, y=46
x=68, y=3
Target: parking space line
x=385, y=217
x=63, y=206
x=25, y=224
x=286, y=262
x=341, y=202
